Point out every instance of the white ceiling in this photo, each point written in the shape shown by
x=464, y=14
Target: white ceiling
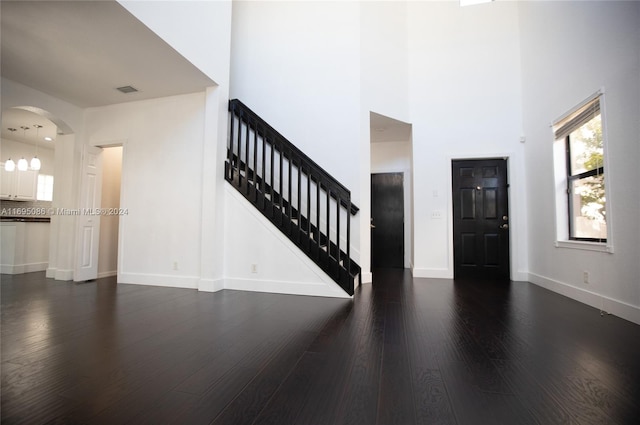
x=18, y=118
x=81, y=51
x=384, y=129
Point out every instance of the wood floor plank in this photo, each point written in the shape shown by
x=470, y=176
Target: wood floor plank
x=404, y=350
x=289, y=399
x=248, y=404
x=395, y=400
x=431, y=400
x=350, y=365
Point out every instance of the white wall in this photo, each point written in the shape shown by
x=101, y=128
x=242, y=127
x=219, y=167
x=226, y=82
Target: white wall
x=389, y=157
x=275, y=264
x=111, y=178
x=465, y=102
x=384, y=58
x=297, y=65
x=162, y=190
x=201, y=32
x=563, y=64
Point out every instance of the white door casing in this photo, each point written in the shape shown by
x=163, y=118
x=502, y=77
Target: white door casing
x=88, y=229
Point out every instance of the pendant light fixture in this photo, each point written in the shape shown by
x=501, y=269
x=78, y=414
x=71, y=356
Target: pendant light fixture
x=23, y=165
x=35, y=162
x=10, y=165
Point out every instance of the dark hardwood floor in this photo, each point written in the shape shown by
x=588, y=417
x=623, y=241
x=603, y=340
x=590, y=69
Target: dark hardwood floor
x=403, y=351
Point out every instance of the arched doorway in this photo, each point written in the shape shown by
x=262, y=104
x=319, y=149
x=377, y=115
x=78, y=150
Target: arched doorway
x=43, y=240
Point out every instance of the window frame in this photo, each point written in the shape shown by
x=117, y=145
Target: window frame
x=594, y=172
x=38, y=191
x=564, y=179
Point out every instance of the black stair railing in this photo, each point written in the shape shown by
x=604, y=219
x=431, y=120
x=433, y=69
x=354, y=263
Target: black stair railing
x=297, y=195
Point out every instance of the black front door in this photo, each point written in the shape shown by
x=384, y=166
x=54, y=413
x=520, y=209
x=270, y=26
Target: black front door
x=480, y=219
x=387, y=220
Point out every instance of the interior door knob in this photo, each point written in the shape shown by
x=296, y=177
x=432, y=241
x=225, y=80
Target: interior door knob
x=504, y=226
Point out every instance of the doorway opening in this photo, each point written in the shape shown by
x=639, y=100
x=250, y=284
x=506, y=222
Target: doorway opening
x=391, y=192
x=98, y=226
x=480, y=219
x=27, y=168
x=110, y=202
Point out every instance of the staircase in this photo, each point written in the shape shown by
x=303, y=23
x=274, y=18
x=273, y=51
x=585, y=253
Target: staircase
x=300, y=198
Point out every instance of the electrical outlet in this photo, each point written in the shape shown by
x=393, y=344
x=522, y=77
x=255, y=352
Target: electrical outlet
x=585, y=277
x=254, y=268
x=436, y=215
x=175, y=265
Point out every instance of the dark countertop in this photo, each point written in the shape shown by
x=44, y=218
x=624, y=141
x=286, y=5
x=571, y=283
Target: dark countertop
x=26, y=219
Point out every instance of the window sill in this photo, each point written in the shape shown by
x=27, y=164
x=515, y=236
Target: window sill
x=585, y=246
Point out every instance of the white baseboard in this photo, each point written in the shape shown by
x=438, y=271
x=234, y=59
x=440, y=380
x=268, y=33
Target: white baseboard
x=291, y=288
x=107, y=274
x=22, y=268
x=189, y=282
x=520, y=276
x=432, y=273
x=367, y=277
x=63, y=274
x=615, y=307
x=7, y=269
x=211, y=285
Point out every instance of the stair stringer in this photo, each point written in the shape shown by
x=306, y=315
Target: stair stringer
x=282, y=267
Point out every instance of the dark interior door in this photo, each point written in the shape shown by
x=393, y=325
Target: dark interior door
x=480, y=219
x=387, y=220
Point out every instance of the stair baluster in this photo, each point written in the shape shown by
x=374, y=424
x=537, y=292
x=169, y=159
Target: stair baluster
x=285, y=205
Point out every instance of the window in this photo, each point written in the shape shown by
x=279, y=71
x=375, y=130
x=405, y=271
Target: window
x=45, y=188
x=580, y=173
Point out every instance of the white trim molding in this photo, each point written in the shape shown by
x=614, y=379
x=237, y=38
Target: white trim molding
x=319, y=289
x=617, y=308
x=58, y=274
x=211, y=285
x=585, y=246
x=432, y=273
x=367, y=277
x=189, y=282
x=23, y=268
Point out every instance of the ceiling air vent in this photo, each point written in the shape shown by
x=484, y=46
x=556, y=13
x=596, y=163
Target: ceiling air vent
x=127, y=89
